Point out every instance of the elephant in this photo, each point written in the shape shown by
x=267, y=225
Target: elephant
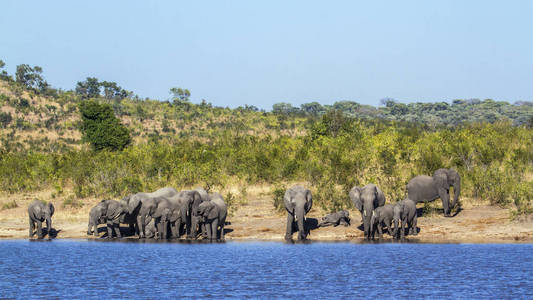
x=213, y=214
x=114, y=212
x=96, y=216
x=366, y=199
x=166, y=213
x=187, y=203
x=336, y=219
x=196, y=225
x=405, y=216
x=424, y=188
x=134, y=203
x=382, y=215
x=150, y=230
x=39, y=212
x=298, y=202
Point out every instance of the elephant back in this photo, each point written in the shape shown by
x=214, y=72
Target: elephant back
x=218, y=200
x=163, y=192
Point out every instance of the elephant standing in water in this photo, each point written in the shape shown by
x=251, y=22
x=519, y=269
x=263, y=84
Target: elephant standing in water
x=298, y=202
x=366, y=199
x=424, y=188
x=39, y=212
x=213, y=214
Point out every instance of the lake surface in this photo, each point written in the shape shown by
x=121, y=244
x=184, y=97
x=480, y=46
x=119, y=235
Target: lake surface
x=85, y=269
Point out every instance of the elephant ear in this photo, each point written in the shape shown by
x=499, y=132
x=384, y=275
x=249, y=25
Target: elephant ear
x=309, y=201
x=133, y=203
x=380, y=197
x=212, y=212
x=51, y=208
x=355, y=196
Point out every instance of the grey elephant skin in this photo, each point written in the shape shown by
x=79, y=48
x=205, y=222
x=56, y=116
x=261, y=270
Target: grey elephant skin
x=166, y=214
x=114, y=213
x=425, y=188
x=196, y=224
x=405, y=218
x=366, y=199
x=382, y=215
x=97, y=216
x=213, y=214
x=134, y=204
x=38, y=213
x=335, y=219
x=187, y=203
x=298, y=202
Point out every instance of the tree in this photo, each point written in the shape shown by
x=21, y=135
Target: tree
x=90, y=88
x=101, y=128
x=313, y=108
x=5, y=119
x=284, y=108
x=179, y=95
x=3, y=73
x=31, y=77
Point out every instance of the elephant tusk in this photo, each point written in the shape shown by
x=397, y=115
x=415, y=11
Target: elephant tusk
x=364, y=212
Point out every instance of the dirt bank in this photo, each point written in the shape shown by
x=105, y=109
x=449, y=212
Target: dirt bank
x=257, y=220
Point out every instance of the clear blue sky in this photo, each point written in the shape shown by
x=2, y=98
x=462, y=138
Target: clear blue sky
x=244, y=52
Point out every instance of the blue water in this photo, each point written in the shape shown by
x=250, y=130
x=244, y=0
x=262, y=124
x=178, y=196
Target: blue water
x=83, y=269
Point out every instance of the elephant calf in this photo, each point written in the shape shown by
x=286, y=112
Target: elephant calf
x=336, y=219
x=405, y=217
x=96, y=217
x=382, y=215
x=39, y=212
x=213, y=214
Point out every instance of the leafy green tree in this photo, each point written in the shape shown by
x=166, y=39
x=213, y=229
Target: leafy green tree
x=3, y=73
x=5, y=119
x=313, y=108
x=101, y=128
x=180, y=96
x=284, y=108
x=90, y=88
x=31, y=78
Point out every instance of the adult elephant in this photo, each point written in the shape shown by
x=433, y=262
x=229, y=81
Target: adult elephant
x=213, y=214
x=425, y=188
x=133, y=204
x=298, y=202
x=184, y=201
x=196, y=224
x=366, y=199
x=165, y=213
x=38, y=213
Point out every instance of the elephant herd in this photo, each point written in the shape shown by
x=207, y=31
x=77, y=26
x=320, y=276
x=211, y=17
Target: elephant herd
x=370, y=201
x=167, y=213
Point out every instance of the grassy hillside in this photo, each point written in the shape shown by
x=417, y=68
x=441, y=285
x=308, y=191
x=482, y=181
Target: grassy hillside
x=329, y=148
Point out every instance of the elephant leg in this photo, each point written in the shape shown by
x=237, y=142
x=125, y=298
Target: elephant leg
x=131, y=228
x=208, y=228
x=32, y=227
x=192, y=225
x=290, y=221
x=39, y=229
x=445, y=197
x=140, y=227
x=214, y=229
x=380, y=230
x=202, y=227
x=116, y=226
x=415, y=221
x=402, y=228
x=95, y=232
x=389, y=229
x=109, y=229
x=164, y=227
x=173, y=231
x=222, y=237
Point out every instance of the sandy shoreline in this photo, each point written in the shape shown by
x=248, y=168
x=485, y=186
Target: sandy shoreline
x=257, y=220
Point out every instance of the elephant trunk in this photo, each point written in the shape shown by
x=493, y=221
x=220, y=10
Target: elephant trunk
x=48, y=224
x=456, y=192
x=299, y=213
x=367, y=216
x=396, y=228
x=373, y=223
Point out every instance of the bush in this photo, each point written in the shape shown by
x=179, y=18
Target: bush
x=101, y=128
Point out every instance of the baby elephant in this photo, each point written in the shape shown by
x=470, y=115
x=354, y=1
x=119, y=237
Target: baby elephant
x=337, y=218
x=382, y=215
x=97, y=216
x=39, y=212
x=405, y=211
x=213, y=215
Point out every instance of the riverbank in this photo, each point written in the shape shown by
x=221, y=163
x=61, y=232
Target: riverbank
x=256, y=219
